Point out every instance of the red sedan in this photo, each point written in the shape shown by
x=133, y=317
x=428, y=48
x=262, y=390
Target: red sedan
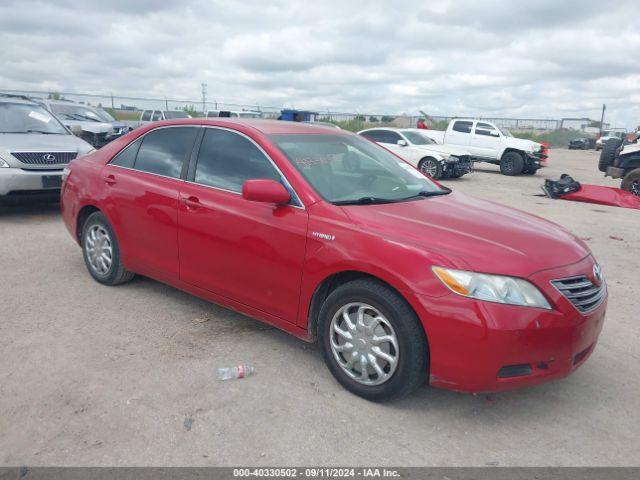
x=328, y=236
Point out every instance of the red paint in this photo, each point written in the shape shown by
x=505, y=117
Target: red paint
x=267, y=260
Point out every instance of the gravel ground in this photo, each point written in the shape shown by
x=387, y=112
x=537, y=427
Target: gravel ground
x=92, y=375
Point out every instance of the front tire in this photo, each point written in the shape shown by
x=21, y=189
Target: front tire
x=431, y=168
x=608, y=154
x=511, y=164
x=101, y=251
x=631, y=182
x=372, y=341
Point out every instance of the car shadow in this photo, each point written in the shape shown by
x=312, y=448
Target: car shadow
x=22, y=207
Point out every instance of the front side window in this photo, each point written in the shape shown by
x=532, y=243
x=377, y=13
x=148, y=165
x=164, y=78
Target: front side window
x=347, y=169
x=417, y=139
x=486, y=130
x=164, y=150
x=26, y=118
x=226, y=160
x=146, y=116
x=462, y=126
x=157, y=115
x=127, y=157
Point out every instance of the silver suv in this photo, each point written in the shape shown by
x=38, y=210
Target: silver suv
x=34, y=148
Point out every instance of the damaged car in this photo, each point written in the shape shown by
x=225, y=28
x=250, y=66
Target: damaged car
x=436, y=161
x=620, y=159
x=87, y=122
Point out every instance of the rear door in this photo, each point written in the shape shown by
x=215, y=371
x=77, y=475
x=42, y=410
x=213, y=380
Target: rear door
x=250, y=252
x=459, y=132
x=143, y=183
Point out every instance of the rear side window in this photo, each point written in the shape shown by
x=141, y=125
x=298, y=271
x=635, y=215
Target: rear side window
x=486, y=130
x=127, y=157
x=226, y=160
x=146, y=115
x=164, y=150
x=462, y=126
x=156, y=116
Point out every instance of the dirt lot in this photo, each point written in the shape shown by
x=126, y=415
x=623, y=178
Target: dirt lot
x=92, y=375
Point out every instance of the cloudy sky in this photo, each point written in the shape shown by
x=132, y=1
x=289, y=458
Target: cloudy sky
x=537, y=58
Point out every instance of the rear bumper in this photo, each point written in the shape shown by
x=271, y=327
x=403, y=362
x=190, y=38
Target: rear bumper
x=488, y=347
x=17, y=180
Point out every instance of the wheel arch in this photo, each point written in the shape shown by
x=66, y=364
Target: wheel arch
x=336, y=279
x=82, y=216
x=514, y=150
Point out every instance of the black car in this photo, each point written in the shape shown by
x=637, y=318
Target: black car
x=581, y=144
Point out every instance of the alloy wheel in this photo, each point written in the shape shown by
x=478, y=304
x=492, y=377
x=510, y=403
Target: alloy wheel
x=429, y=167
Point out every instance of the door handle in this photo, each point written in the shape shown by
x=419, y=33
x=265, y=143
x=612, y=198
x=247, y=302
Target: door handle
x=191, y=202
x=110, y=180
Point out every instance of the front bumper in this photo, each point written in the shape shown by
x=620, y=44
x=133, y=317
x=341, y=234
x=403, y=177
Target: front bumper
x=18, y=181
x=480, y=346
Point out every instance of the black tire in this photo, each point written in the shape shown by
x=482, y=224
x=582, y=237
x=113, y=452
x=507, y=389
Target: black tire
x=631, y=182
x=413, y=351
x=530, y=170
x=433, y=165
x=511, y=164
x=116, y=273
x=608, y=154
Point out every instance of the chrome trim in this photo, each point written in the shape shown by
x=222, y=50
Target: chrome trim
x=599, y=296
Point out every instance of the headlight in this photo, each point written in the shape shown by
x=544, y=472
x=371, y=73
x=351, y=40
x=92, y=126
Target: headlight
x=3, y=164
x=492, y=288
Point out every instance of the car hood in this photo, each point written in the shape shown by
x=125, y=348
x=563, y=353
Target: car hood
x=92, y=127
x=445, y=150
x=522, y=144
x=16, y=142
x=473, y=234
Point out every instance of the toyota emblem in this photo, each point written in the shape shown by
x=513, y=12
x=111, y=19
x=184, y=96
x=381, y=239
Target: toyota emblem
x=597, y=273
x=47, y=157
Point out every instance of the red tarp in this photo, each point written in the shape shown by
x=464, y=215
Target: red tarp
x=611, y=196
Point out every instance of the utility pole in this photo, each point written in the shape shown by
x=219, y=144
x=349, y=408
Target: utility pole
x=604, y=107
x=112, y=106
x=204, y=97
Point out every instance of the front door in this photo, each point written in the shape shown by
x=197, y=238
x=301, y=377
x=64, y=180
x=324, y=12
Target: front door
x=250, y=252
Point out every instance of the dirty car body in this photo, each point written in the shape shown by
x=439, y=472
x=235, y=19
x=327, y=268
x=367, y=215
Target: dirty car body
x=328, y=236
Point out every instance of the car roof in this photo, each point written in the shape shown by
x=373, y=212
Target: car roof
x=267, y=127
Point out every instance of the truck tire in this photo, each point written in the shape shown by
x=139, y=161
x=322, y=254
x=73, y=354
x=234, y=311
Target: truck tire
x=631, y=182
x=431, y=167
x=608, y=154
x=511, y=164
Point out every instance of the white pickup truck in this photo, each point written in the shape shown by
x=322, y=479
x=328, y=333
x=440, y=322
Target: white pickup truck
x=489, y=143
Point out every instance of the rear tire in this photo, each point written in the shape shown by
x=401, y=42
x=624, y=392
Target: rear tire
x=511, y=164
x=608, y=154
x=631, y=182
x=431, y=168
x=101, y=251
x=382, y=309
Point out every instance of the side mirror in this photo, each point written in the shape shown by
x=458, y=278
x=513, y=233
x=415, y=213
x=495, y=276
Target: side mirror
x=402, y=143
x=266, y=191
x=76, y=129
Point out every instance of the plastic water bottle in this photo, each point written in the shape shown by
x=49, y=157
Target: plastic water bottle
x=239, y=371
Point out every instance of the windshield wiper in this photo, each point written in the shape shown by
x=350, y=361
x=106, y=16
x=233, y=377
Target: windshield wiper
x=365, y=201
x=424, y=194
x=37, y=131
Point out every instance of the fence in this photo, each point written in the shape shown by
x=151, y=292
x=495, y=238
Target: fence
x=125, y=104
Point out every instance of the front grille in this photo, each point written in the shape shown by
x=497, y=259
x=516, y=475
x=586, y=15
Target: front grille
x=45, y=158
x=581, y=291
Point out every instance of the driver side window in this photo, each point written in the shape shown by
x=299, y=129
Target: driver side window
x=486, y=130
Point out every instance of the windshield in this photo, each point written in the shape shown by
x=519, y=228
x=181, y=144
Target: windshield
x=171, y=114
x=505, y=132
x=76, y=112
x=104, y=115
x=25, y=118
x=417, y=139
x=347, y=169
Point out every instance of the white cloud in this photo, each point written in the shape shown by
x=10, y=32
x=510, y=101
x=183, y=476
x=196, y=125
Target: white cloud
x=537, y=58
